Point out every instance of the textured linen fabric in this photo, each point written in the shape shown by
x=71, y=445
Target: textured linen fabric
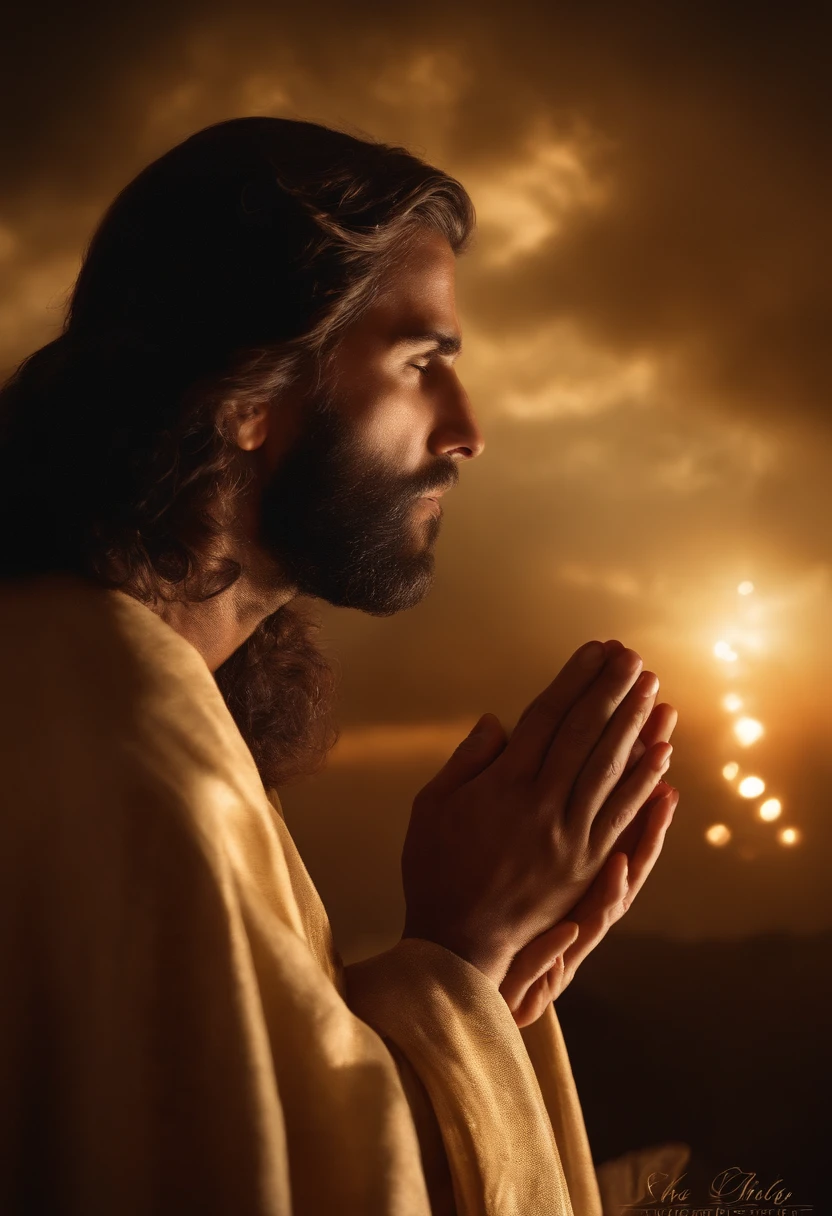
x=177, y=1031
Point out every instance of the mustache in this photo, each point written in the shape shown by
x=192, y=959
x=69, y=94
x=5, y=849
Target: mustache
x=440, y=487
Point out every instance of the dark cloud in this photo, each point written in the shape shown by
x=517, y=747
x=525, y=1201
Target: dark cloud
x=713, y=125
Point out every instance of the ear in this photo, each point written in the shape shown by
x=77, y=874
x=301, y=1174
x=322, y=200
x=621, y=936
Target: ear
x=249, y=425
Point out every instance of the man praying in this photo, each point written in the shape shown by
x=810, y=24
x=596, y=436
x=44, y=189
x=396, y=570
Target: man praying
x=254, y=399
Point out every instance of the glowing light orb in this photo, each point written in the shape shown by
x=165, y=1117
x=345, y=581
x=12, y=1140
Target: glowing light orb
x=770, y=809
x=751, y=787
x=732, y=702
x=748, y=731
x=730, y=771
x=718, y=834
x=745, y=588
x=788, y=836
x=724, y=651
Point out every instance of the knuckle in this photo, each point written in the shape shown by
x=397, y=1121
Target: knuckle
x=619, y=819
x=546, y=706
x=577, y=735
x=613, y=768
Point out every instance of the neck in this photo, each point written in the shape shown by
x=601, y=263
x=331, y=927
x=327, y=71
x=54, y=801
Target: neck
x=217, y=627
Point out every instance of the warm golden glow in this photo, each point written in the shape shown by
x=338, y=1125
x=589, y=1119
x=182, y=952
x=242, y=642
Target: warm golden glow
x=718, y=834
x=751, y=787
x=748, y=731
x=730, y=771
x=532, y=199
x=788, y=836
x=391, y=743
x=745, y=588
x=724, y=651
x=732, y=702
x=770, y=809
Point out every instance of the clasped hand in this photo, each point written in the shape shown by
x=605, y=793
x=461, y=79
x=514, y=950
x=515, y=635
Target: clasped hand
x=522, y=852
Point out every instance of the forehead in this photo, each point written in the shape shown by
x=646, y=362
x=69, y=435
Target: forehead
x=418, y=292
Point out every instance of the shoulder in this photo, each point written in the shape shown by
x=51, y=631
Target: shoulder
x=104, y=703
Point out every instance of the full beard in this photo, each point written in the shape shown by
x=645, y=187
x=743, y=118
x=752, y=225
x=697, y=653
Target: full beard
x=341, y=528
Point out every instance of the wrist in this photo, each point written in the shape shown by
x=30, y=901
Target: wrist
x=490, y=963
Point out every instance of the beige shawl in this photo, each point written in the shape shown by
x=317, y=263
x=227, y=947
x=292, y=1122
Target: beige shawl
x=177, y=1031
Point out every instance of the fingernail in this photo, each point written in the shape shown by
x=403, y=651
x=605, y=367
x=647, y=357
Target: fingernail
x=647, y=684
x=592, y=656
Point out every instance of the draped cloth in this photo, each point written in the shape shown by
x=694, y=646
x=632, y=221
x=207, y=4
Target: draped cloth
x=178, y=1032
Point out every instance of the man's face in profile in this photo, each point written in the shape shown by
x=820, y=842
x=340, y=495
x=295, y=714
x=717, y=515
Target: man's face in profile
x=343, y=510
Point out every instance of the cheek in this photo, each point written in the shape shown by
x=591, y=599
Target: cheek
x=393, y=428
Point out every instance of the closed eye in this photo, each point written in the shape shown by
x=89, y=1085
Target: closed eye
x=421, y=367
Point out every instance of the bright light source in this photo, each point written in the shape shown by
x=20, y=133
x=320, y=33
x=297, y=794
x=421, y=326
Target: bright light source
x=770, y=809
x=745, y=588
x=732, y=702
x=748, y=731
x=725, y=652
x=788, y=836
x=751, y=787
x=730, y=771
x=718, y=834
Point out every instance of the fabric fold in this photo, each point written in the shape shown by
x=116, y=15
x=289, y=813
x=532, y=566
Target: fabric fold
x=461, y=1039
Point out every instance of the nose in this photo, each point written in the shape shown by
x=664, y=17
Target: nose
x=456, y=433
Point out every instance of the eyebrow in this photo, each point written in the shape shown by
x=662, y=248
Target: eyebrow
x=445, y=344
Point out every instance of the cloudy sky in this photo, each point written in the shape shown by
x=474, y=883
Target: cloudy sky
x=645, y=315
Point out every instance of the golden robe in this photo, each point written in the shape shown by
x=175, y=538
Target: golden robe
x=178, y=1033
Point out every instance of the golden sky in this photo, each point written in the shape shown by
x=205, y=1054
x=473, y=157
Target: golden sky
x=645, y=315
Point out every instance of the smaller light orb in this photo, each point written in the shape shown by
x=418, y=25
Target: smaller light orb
x=751, y=787
x=788, y=836
x=770, y=809
x=748, y=731
x=718, y=834
x=724, y=651
x=745, y=588
x=732, y=703
x=730, y=771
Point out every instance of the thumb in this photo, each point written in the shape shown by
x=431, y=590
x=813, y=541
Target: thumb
x=481, y=745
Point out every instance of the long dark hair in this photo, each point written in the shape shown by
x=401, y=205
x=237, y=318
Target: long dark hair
x=225, y=270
